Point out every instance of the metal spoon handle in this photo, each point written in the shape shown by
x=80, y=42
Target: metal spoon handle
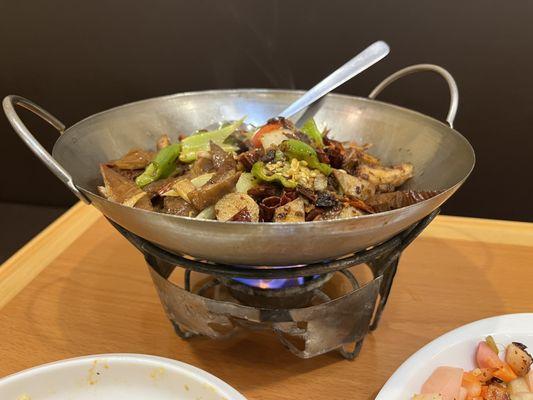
x=368, y=57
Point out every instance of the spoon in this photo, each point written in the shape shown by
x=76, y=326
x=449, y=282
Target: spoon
x=368, y=57
x=365, y=59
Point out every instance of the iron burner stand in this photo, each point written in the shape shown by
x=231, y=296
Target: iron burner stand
x=332, y=310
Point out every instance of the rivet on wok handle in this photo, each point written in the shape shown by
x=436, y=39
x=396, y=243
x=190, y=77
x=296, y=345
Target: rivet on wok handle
x=9, y=104
x=454, y=92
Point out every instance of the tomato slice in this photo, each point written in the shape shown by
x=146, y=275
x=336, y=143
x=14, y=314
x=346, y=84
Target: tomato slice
x=274, y=126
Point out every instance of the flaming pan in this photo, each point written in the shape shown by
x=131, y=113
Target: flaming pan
x=441, y=156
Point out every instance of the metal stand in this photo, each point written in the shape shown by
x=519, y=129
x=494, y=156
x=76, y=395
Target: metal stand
x=352, y=315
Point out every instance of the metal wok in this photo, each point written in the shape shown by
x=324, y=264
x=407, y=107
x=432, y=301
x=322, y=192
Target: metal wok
x=442, y=159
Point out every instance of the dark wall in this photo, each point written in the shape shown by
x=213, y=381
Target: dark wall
x=76, y=58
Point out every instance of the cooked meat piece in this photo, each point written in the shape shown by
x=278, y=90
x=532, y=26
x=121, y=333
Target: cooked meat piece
x=129, y=174
x=222, y=160
x=284, y=122
x=144, y=203
x=212, y=191
x=234, y=203
x=314, y=214
x=178, y=206
x=134, y=159
x=341, y=211
x=201, y=166
x=391, y=201
x=354, y=186
x=287, y=196
x=360, y=205
x=162, y=142
x=291, y=212
x=157, y=188
x=326, y=199
x=306, y=193
x=249, y=158
x=122, y=190
x=379, y=175
x=269, y=156
x=385, y=188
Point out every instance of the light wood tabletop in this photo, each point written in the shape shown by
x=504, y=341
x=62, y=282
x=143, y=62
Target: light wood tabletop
x=80, y=288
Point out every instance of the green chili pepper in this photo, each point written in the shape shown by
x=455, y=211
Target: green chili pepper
x=162, y=166
x=260, y=172
x=302, y=151
x=311, y=130
x=200, y=142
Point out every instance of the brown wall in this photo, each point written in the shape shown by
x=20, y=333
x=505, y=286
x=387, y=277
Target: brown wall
x=79, y=57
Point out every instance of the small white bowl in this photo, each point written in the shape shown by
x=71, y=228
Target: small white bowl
x=116, y=377
x=456, y=349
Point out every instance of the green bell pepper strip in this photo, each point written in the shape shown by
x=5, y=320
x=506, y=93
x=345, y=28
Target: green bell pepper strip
x=312, y=132
x=259, y=171
x=191, y=145
x=293, y=148
x=162, y=166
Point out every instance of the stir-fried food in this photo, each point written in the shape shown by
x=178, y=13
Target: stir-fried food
x=507, y=378
x=277, y=173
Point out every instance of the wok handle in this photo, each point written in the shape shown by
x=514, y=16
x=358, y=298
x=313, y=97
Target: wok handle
x=454, y=91
x=9, y=104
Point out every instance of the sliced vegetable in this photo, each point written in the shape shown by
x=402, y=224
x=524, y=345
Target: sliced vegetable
x=505, y=374
x=207, y=213
x=261, y=173
x=529, y=379
x=312, y=132
x=521, y=396
x=246, y=182
x=487, y=358
x=162, y=166
x=200, y=142
x=181, y=188
x=201, y=180
x=518, y=385
x=492, y=344
x=472, y=385
x=272, y=139
x=293, y=148
x=268, y=128
x=446, y=381
x=427, y=396
x=518, y=358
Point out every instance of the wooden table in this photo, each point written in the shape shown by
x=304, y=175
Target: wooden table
x=80, y=288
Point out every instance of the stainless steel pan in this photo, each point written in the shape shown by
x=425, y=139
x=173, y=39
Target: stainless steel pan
x=442, y=159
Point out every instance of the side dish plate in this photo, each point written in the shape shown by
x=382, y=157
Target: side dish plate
x=117, y=377
x=455, y=348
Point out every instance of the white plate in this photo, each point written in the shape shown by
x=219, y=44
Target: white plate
x=116, y=377
x=456, y=349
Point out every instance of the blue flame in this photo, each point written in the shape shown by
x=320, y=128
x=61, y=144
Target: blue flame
x=272, y=283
